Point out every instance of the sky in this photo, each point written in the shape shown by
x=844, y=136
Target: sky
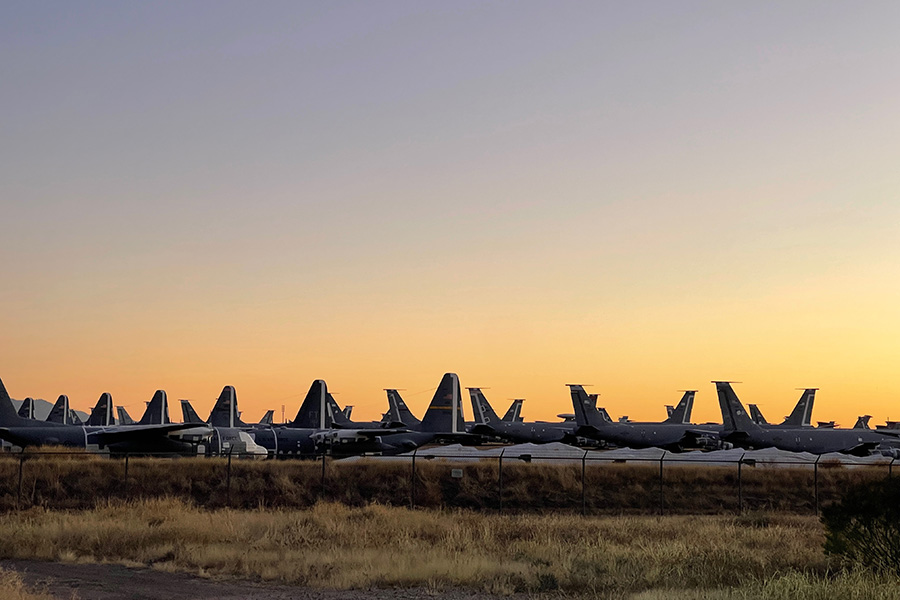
x=640, y=196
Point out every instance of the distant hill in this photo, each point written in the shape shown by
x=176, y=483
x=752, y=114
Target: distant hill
x=42, y=409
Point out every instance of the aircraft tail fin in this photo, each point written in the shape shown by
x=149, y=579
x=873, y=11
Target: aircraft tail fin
x=681, y=415
x=514, y=412
x=445, y=414
x=268, y=418
x=756, y=415
x=801, y=416
x=734, y=417
x=400, y=411
x=188, y=414
x=862, y=422
x=484, y=412
x=347, y=411
x=8, y=415
x=157, y=412
x=225, y=411
x=124, y=417
x=102, y=415
x=313, y=413
x=26, y=411
x=669, y=410
x=335, y=415
x=60, y=411
x=586, y=413
x=604, y=415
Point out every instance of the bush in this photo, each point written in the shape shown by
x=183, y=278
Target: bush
x=864, y=526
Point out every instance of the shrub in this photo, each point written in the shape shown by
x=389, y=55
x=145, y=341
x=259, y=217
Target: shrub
x=864, y=526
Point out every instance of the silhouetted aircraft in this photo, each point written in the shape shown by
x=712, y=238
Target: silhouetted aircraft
x=671, y=434
x=102, y=415
x=801, y=416
x=124, y=417
x=514, y=412
x=60, y=412
x=675, y=414
x=26, y=411
x=489, y=424
x=740, y=429
x=136, y=438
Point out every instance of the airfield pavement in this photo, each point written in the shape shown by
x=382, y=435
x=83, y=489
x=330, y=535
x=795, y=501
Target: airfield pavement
x=116, y=582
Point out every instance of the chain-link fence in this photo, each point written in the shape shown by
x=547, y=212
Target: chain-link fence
x=593, y=483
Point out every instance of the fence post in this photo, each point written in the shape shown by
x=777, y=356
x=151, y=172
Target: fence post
x=412, y=480
x=322, y=490
x=891, y=468
x=583, y=497
x=500, y=478
x=661, y=496
x=741, y=485
x=816, y=483
x=228, y=480
x=21, y=465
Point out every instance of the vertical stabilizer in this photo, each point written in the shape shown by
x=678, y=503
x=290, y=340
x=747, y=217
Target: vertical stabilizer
x=157, y=412
x=124, y=417
x=8, y=416
x=268, y=418
x=862, y=422
x=682, y=413
x=734, y=417
x=801, y=416
x=482, y=409
x=225, y=411
x=26, y=411
x=102, y=415
x=313, y=413
x=188, y=414
x=60, y=411
x=444, y=414
x=336, y=416
x=756, y=415
x=400, y=411
x=586, y=413
x=514, y=412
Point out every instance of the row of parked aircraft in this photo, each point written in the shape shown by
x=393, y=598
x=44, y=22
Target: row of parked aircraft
x=320, y=426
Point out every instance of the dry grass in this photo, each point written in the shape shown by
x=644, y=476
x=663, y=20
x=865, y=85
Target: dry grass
x=12, y=588
x=336, y=546
x=83, y=481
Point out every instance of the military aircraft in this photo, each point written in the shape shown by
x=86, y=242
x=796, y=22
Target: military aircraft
x=675, y=414
x=489, y=424
x=124, y=417
x=102, y=414
x=671, y=434
x=739, y=429
x=26, y=410
x=801, y=416
x=60, y=412
x=137, y=438
x=514, y=412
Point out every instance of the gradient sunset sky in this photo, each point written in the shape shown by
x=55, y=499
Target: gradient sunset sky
x=642, y=196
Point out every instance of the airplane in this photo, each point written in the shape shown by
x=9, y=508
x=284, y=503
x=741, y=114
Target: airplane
x=340, y=419
x=102, y=414
x=173, y=437
x=801, y=416
x=268, y=419
x=514, y=412
x=740, y=429
x=26, y=411
x=124, y=417
x=442, y=422
x=671, y=434
x=60, y=412
x=862, y=422
x=310, y=434
x=489, y=424
x=674, y=414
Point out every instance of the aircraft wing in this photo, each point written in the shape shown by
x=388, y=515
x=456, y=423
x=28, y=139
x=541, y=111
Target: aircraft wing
x=12, y=438
x=112, y=435
x=863, y=449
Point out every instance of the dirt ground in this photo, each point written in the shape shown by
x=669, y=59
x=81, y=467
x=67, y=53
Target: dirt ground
x=68, y=581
